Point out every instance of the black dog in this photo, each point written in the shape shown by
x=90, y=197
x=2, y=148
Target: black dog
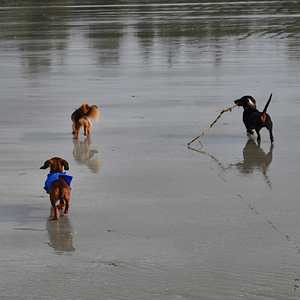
x=253, y=119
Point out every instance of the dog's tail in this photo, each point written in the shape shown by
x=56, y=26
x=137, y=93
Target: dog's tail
x=61, y=197
x=93, y=113
x=264, y=113
x=267, y=104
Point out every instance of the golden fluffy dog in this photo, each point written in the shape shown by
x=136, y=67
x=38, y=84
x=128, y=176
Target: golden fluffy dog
x=58, y=184
x=80, y=117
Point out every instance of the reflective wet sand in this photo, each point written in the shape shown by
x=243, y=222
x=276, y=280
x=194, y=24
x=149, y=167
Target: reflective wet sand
x=150, y=218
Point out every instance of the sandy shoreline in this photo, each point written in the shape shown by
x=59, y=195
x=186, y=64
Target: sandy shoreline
x=149, y=218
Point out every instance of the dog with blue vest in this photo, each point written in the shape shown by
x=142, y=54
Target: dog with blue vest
x=58, y=184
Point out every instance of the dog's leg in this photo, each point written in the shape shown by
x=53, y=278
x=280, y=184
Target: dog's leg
x=271, y=136
x=67, y=199
x=258, y=135
x=85, y=129
x=89, y=127
x=73, y=128
x=269, y=126
x=56, y=217
x=61, y=206
x=77, y=130
x=67, y=207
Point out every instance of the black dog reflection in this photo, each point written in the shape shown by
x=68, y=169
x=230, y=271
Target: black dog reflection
x=255, y=158
x=84, y=155
x=61, y=235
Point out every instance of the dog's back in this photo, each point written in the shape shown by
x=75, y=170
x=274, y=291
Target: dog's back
x=60, y=191
x=76, y=115
x=256, y=118
x=86, y=110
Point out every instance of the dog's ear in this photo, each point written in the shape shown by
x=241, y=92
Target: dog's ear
x=47, y=164
x=251, y=103
x=65, y=164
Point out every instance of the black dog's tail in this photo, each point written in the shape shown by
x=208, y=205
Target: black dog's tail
x=264, y=113
x=267, y=104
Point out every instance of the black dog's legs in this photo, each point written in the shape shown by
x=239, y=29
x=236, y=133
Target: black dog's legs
x=271, y=136
x=269, y=126
x=258, y=134
x=270, y=132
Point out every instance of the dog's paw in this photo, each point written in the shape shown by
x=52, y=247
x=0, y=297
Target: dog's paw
x=60, y=206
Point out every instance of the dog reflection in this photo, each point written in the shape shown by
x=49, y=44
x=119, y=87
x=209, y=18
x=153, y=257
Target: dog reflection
x=255, y=158
x=84, y=155
x=60, y=233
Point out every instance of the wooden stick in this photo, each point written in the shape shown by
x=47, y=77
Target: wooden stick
x=215, y=121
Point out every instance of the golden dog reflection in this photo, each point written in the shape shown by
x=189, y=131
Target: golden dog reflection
x=84, y=155
x=61, y=235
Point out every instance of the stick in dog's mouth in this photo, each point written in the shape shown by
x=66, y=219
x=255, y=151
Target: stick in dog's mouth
x=215, y=121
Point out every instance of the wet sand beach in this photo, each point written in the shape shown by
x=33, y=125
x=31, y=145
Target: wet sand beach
x=149, y=217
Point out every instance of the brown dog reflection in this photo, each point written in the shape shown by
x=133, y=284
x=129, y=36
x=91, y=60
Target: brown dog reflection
x=84, y=155
x=60, y=234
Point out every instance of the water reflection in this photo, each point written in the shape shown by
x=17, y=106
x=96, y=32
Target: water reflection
x=254, y=158
x=61, y=235
x=83, y=154
x=173, y=32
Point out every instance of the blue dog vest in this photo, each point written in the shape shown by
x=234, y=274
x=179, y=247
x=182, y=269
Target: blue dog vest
x=55, y=176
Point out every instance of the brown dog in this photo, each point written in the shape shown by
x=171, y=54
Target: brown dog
x=58, y=184
x=80, y=117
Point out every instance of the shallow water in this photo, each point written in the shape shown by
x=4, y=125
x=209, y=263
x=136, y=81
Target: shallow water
x=150, y=218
